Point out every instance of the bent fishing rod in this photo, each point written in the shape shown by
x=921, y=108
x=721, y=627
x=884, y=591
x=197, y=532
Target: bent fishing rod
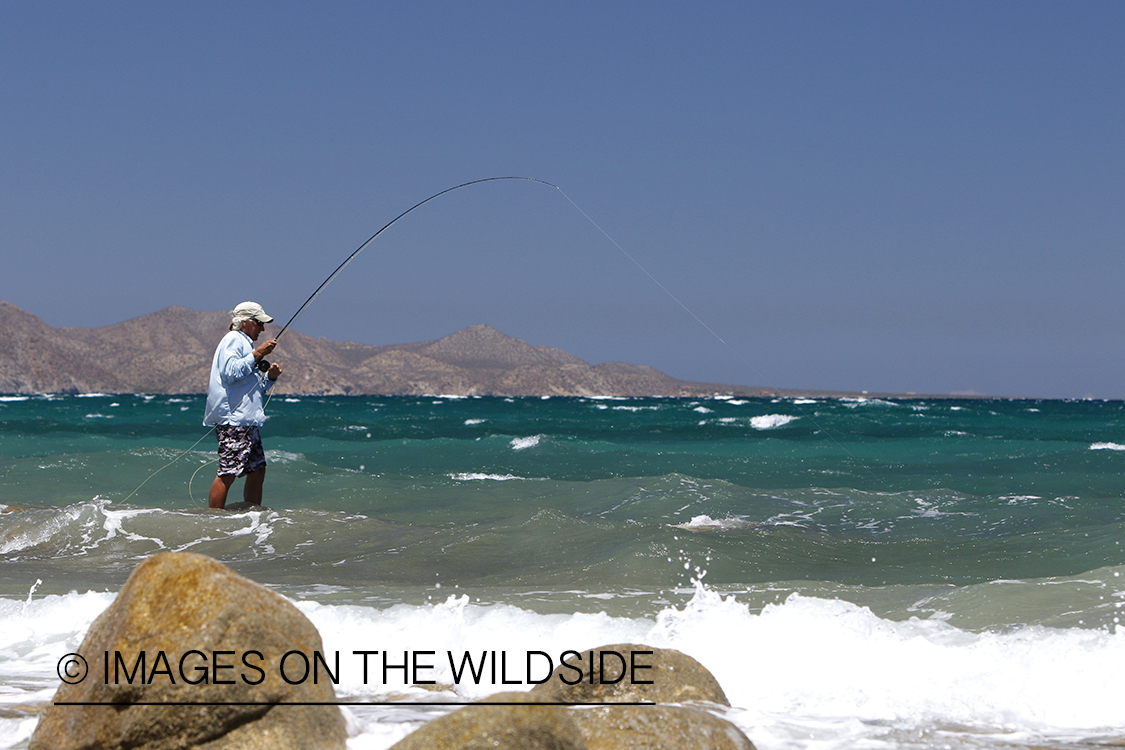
x=263, y=365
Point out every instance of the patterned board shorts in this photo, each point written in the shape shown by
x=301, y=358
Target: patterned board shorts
x=240, y=450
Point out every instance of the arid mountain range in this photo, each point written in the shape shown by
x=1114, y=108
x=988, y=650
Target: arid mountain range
x=170, y=352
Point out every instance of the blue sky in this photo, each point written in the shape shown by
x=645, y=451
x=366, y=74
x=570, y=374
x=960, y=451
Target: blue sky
x=883, y=196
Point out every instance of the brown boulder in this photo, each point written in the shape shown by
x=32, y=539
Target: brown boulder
x=493, y=726
x=657, y=728
x=183, y=618
x=675, y=677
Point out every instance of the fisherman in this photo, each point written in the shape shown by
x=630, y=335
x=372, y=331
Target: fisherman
x=234, y=403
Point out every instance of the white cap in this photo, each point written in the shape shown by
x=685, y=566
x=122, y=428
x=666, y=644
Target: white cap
x=248, y=311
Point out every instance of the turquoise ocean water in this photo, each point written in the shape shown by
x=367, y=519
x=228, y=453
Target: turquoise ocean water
x=884, y=574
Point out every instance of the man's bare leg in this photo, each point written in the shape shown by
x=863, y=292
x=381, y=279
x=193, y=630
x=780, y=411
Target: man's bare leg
x=217, y=498
x=252, y=492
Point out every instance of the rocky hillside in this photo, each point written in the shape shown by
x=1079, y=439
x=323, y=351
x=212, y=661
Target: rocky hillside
x=170, y=352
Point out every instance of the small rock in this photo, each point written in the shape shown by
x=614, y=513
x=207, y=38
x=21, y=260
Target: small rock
x=675, y=677
x=500, y=727
x=657, y=728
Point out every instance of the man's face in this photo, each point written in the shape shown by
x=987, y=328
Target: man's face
x=253, y=328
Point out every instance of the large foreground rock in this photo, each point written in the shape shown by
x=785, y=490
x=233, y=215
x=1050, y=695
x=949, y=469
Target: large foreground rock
x=173, y=604
x=675, y=678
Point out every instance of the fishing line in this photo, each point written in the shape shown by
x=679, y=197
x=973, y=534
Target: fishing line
x=165, y=466
x=804, y=413
x=389, y=224
x=645, y=270
x=192, y=479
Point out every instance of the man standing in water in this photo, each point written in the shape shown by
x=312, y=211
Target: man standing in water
x=234, y=404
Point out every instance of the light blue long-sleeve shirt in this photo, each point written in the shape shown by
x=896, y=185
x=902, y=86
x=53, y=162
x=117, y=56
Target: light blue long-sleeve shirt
x=234, y=394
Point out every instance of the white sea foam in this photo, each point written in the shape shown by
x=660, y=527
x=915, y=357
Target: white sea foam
x=1019, y=499
x=14, y=398
x=470, y=422
x=85, y=528
x=473, y=477
x=803, y=673
x=114, y=521
x=90, y=520
x=817, y=659
x=770, y=421
x=27, y=536
x=34, y=634
x=283, y=457
x=520, y=444
x=1107, y=447
x=854, y=401
x=706, y=523
x=259, y=528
